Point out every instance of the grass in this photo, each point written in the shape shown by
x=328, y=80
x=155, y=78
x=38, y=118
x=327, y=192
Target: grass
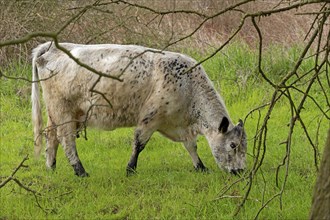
x=166, y=186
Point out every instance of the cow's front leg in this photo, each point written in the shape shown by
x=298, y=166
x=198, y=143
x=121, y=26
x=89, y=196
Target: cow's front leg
x=67, y=136
x=191, y=147
x=51, y=145
x=141, y=137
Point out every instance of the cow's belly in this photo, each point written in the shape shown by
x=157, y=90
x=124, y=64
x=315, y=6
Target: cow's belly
x=179, y=134
x=108, y=118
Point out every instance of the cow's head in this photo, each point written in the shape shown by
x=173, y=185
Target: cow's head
x=229, y=147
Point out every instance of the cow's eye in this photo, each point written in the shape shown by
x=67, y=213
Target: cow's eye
x=232, y=145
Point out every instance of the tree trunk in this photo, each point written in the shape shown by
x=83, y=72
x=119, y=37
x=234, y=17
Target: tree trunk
x=321, y=198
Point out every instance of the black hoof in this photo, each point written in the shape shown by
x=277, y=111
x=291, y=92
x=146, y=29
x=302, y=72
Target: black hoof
x=237, y=172
x=79, y=170
x=201, y=168
x=82, y=174
x=53, y=166
x=130, y=171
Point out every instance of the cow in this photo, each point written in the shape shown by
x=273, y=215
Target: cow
x=156, y=90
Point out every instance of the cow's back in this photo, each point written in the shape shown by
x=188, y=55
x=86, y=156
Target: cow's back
x=151, y=79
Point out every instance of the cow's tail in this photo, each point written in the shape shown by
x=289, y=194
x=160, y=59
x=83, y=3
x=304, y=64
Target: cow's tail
x=35, y=98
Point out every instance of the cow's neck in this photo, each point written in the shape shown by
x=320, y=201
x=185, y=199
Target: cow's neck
x=213, y=110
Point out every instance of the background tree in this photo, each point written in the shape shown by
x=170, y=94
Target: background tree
x=321, y=198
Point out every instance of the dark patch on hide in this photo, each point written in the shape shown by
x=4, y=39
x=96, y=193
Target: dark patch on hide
x=147, y=118
x=41, y=61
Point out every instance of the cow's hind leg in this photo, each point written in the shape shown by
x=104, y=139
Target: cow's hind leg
x=141, y=137
x=191, y=147
x=51, y=144
x=67, y=136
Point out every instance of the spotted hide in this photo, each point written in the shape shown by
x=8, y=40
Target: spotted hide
x=157, y=91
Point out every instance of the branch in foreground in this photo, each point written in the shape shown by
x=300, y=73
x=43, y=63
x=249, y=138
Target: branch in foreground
x=26, y=188
x=11, y=177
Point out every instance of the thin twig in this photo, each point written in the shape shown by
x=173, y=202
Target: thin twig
x=11, y=177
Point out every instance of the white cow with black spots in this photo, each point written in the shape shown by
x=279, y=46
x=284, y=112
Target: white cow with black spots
x=159, y=91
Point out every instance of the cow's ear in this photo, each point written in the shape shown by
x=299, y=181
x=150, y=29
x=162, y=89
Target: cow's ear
x=223, y=128
x=240, y=123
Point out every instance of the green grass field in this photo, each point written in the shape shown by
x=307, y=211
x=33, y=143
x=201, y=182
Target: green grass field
x=166, y=186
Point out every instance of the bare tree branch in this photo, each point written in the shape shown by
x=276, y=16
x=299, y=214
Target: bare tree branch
x=11, y=177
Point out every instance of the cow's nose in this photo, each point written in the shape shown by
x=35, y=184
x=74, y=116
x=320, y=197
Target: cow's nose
x=236, y=171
